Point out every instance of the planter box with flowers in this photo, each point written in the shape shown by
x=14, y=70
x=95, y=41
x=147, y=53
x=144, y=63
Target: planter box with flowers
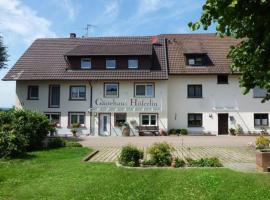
x=263, y=154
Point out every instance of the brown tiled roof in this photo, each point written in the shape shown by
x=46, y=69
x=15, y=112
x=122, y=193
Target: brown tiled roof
x=45, y=60
x=111, y=50
x=216, y=48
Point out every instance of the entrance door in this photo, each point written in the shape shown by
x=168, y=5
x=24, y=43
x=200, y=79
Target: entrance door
x=104, y=124
x=223, y=124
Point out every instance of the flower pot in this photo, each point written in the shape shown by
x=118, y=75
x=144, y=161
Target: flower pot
x=263, y=160
x=126, y=131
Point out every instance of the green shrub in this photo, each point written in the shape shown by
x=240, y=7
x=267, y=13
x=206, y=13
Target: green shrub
x=72, y=144
x=12, y=144
x=178, y=131
x=148, y=163
x=160, y=154
x=172, y=132
x=262, y=142
x=204, y=162
x=54, y=143
x=130, y=156
x=183, y=131
x=179, y=162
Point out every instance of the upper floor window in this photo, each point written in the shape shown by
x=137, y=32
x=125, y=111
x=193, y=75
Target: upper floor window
x=110, y=63
x=77, y=93
x=260, y=119
x=195, y=59
x=54, y=96
x=222, y=79
x=32, y=92
x=194, y=91
x=144, y=90
x=86, y=63
x=133, y=63
x=111, y=90
x=259, y=92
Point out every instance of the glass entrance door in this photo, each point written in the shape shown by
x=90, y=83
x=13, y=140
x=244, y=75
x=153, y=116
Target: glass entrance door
x=105, y=124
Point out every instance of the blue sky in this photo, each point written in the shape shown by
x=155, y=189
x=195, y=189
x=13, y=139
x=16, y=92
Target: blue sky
x=21, y=22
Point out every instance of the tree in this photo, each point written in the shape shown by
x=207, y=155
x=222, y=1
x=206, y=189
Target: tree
x=3, y=54
x=248, y=20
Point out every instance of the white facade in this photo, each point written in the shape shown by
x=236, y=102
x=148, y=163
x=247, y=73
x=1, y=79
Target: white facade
x=170, y=103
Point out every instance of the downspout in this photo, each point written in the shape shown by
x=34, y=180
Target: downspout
x=91, y=106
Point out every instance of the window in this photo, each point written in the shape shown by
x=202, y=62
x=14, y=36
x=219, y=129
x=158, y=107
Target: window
x=148, y=119
x=86, y=63
x=133, y=63
x=76, y=117
x=259, y=92
x=194, y=91
x=194, y=120
x=77, y=93
x=32, y=92
x=144, y=90
x=54, y=96
x=54, y=118
x=260, y=119
x=111, y=90
x=120, y=119
x=110, y=63
x=222, y=79
x=195, y=59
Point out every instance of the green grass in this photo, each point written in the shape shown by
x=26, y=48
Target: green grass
x=60, y=174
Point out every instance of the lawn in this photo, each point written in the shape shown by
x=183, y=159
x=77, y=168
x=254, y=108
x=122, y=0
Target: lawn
x=60, y=174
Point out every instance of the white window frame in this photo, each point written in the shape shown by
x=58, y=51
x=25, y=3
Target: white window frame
x=84, y=60
x=50, y=117
x=149, y=118
x=132, y=67
x=110, y=59
x=146, y=95
x=78, y=117
x=261, y=120
x=78, y=93
x=108, y=95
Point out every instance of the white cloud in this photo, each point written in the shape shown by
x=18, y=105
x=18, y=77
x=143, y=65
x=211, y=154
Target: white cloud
x=21, y=22
x=112, y=9
x=148, y=6
x=69, y=7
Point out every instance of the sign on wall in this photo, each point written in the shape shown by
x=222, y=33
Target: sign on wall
x=127, y=105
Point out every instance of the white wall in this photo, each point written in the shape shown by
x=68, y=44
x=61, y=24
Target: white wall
x=215, y=95
x=126, y=91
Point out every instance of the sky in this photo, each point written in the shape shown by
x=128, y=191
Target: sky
x=22, y=21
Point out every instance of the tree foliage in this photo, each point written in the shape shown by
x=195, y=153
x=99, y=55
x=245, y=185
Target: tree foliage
x=248, y=20
x=3, y=54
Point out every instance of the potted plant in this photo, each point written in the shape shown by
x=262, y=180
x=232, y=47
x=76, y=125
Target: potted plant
x=52, y=129
x=125, y=129
x=263, y=153
x=232, y=131
x=74, y=129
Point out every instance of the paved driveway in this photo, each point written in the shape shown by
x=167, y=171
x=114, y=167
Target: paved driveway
x=189, y=141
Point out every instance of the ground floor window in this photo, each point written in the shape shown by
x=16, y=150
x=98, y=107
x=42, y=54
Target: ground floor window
x=260, y=119
x=54, y=118
x=194, y=120
x=120, y=119
x=148, y=119
x=76, y=118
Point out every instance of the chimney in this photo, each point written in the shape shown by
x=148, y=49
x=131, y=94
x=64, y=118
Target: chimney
x=154, y=40
x=72, y=35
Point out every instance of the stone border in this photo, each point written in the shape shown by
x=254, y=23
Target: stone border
x=91, y=155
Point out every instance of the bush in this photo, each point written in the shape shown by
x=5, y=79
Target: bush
x=130, y=156
x=12, y=144
x=178, y=131
x=54, y=143
x=204, y=162
x=34, y=126
x=72, y=144
x=262, y=142
x=183, y=131
x=172, y=132
x=179, y=162
x=160, y=154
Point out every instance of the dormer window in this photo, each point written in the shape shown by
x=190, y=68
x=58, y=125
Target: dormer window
x=196, y=59
x=110, y=63
x=86, y=63
x=133, y=63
